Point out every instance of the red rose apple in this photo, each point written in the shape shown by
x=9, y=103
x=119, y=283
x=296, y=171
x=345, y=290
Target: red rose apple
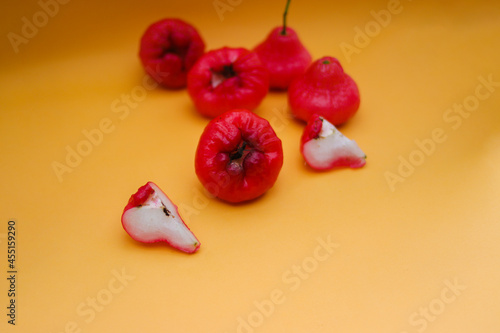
x=239, y=156
x=324, y=90
x=151, y=217
x=324, y=147
x=283, y=55
x=168, y=49
x=226, y=79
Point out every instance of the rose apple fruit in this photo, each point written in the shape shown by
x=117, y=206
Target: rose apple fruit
x=226, y=79
x=284, y=55
x=324, y=90
x=239, y=156
x=168, y=49
x=324, y=147
x=151, y=217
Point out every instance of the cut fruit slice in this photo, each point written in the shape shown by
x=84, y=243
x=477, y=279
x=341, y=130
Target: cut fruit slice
x=151, y=217
x=324, y=147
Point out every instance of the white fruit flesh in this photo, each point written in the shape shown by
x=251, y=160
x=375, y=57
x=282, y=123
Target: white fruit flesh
x=332, y=147
x=158, y=220
x=217, y=79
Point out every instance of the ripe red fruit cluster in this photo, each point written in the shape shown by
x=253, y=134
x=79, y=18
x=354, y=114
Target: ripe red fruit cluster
x=239, y=155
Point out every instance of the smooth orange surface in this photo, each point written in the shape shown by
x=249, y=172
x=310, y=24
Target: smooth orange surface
x=411, y=238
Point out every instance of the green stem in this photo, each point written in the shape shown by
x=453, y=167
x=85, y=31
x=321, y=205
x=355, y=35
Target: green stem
x=283, y=32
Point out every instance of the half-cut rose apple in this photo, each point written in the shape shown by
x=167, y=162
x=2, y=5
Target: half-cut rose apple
x=324, y=147
x=151, y=217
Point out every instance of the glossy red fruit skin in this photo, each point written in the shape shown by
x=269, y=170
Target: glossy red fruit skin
x=324, y=90
x=226, y=79
x=239, y=156
x=168, y=49
x=311, y=131
x=142, y=195
x=284, y=56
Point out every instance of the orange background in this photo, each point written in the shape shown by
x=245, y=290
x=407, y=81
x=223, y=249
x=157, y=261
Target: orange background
x=420, y=254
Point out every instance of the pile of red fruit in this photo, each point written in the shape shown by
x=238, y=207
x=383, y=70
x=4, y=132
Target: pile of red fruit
x=239, y=155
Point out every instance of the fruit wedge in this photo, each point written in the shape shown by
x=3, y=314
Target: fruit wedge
x=324, y=147
x=151, y=217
